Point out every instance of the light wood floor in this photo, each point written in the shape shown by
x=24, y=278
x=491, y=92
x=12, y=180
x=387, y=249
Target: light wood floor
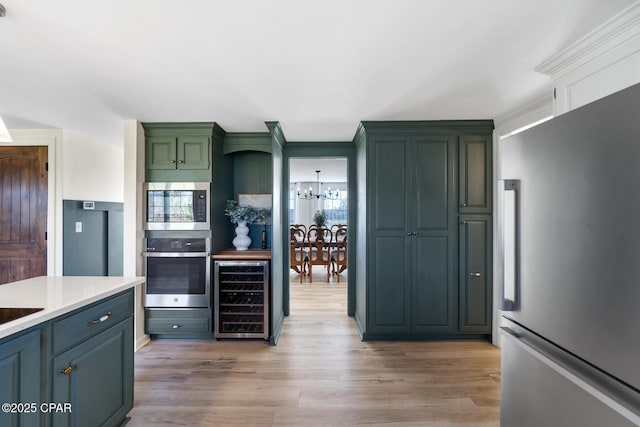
x=319, y=374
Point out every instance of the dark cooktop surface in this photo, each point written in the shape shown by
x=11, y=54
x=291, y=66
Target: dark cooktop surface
x=9, y=314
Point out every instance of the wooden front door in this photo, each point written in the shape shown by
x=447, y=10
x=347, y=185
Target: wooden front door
x=23, y=213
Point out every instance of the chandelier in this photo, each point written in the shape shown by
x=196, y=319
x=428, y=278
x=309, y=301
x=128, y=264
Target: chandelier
x=309, y=194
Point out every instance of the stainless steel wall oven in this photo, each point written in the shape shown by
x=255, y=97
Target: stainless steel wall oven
x=178, y=272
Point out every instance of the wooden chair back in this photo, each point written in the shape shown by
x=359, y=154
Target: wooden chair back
x=319, y=242
x=339, y=251
x=297, y=254
x=336, y=227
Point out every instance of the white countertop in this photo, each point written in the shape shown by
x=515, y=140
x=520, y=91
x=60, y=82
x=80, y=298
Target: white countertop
x=57, y=295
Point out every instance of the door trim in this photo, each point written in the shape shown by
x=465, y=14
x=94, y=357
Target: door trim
x=51, y=138
x=323, y=149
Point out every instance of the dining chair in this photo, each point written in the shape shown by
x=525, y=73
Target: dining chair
x=339, y=251
x=298, y=257
x=336, y=227
x=301, y=226
x=319, y=242
x=304, y=246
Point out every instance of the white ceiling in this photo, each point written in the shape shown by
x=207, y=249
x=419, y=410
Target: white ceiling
x=318, y=67
x=331, y=169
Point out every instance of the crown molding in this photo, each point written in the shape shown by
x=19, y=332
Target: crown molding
x=543, y=101
x=537, y=109
x=615, y=32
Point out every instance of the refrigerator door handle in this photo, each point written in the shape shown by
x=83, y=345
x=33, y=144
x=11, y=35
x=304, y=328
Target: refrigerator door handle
x=619, y=397
x=509, y=243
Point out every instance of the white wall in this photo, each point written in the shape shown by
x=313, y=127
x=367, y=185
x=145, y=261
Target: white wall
x=80, y=168
x=92, y=170
x=132, y=224
x=133, y=197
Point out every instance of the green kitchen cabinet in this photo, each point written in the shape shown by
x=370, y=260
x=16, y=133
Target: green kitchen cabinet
x=475, y=174
x=178, y=152
x=475, y=234
x=92, y=363
x=99, y=386
x=169, y=153
x=411, y=233
x=178, y=322
x=73, y=370
x=409, y=286
x=21, y=379
x=389, y=251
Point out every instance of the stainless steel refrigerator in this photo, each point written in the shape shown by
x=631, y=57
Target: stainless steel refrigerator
x=569, y=212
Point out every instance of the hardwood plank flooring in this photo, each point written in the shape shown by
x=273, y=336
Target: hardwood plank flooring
x=319, y=374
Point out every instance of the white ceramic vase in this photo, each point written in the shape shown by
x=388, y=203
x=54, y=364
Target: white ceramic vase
x=242, y=239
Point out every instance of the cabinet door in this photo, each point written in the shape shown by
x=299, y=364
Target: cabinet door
x=99, y=383
x=390, y=242
x=433, y=269
x=389, y=176
x=20, y=378
x=390, y=291
x=433, y=293
x=432, y=163
x=475, y=160
x=193, y=152
x=161, y=152
x=475, y=273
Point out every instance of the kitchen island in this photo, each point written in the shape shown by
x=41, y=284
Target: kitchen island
x=70, y=363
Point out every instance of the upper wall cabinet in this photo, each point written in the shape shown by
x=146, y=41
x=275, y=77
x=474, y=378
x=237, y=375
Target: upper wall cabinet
x=168, y=152
x=475, y=173
x=180, y=151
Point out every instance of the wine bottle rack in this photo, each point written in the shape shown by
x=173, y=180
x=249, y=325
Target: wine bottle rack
x=242, y=299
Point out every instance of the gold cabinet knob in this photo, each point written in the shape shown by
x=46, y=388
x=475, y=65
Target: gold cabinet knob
x=67, y=370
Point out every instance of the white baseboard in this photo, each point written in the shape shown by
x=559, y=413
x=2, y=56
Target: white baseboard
x=142, y=341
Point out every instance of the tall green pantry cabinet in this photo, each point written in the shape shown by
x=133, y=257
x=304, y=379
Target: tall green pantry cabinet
x=424, y=229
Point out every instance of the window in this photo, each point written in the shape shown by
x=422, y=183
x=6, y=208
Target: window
x=292, y=205
x=336, y=210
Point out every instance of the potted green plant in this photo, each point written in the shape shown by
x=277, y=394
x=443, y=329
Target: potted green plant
x=320, y=218
x=248, y=214
x=242, y=215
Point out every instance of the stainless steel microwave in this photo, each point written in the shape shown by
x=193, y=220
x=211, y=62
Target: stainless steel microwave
x=177, y=205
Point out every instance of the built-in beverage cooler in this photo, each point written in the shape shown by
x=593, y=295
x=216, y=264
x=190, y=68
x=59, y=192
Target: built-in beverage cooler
x=242, y=299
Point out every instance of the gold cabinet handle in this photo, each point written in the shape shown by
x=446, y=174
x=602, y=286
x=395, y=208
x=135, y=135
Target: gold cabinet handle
x=172, y=161
x=100, y=319
x=67, y=370
x=180, y=161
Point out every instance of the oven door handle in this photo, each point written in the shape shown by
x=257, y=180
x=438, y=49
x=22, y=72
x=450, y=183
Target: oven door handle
x=176, y=254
